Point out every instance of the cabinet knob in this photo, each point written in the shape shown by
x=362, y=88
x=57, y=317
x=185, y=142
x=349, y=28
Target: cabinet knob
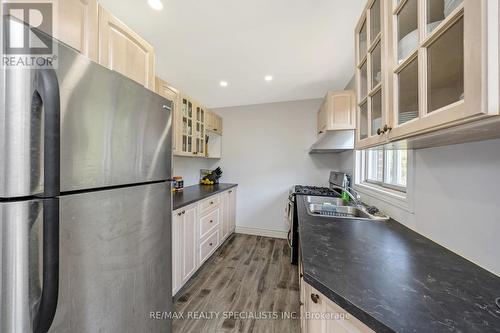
x=211, y=202
x=211, y=221
x=211, y=244
x=320, y=132
x=183, y=212
x=387, y=128
x=315, y=298
x=231, y=191
x=179, y=214
x=379, y=131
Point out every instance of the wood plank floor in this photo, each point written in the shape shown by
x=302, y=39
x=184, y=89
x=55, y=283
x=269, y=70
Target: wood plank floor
x=250, y=274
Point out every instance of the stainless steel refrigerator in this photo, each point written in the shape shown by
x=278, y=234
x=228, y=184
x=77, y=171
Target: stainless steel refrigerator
x=85, y=201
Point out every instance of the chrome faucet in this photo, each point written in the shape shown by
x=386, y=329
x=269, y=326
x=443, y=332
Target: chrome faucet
x=355, y=197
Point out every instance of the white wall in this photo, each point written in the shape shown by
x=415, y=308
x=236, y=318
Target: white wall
x=189, y=168
x=456, y=199
x=265, y=151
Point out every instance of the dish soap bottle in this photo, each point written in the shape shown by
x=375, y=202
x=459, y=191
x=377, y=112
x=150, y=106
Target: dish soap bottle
x=345, y=197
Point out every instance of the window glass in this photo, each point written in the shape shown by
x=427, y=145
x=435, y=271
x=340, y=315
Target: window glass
x=375, y=165
x=387, y=168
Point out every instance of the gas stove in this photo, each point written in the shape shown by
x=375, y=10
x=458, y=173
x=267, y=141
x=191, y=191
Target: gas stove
x=315, y=190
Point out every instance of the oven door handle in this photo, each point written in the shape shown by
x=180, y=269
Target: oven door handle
x=288, y=240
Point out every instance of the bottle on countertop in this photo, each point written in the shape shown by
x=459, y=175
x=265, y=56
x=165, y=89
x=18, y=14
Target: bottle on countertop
x=178, y=185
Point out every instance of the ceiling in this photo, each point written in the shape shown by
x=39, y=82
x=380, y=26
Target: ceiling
x=306, y=45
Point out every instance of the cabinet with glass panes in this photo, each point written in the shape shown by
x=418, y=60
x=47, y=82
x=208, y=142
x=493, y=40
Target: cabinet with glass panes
x=439, y=64
x=199, y=133
x=371, y=78
x=193, y=124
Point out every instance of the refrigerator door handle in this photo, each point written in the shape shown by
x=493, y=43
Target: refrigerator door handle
x=46, y=309
x=46, y=94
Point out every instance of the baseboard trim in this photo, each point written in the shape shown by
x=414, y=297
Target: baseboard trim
x=261, y=232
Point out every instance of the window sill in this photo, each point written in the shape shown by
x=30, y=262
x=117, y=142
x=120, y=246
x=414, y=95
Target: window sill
x=392, y=197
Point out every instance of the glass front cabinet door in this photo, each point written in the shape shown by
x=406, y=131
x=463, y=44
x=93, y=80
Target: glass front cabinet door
x=440, y=60
x=426, y=65
x=371, y=75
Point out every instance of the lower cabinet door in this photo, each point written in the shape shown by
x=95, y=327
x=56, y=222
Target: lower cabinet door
x=314, y=308
x=177, y=219
x=324, y=316
x=225, y=225
x=232, y=210
x=189, y=240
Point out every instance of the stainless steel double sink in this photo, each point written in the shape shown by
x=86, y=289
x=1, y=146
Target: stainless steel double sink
x=338, y=208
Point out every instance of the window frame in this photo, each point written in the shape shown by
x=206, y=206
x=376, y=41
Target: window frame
x=382, y=183
x=373, y=190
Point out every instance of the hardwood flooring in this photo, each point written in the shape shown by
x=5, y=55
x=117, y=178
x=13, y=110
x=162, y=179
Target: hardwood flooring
x=250, y=276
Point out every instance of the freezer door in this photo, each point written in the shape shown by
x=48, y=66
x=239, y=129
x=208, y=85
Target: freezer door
x=19, y=264
x=113, y=130
x=21, y=144
x=115, y=260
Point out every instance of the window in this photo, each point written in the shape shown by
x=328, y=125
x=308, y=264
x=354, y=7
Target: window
x=386, y=168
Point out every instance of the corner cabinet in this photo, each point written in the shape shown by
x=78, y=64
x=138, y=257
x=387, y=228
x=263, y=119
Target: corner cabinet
x=337, y=111
x=424, y=66
x=214, y=122
x=124, y=51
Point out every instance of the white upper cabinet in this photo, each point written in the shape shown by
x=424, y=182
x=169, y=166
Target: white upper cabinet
x=337, y=112
x=372, y=83
x=124, y=51
x=77, y=26
x=427, y=65
x=439, y=55
x=166, y=90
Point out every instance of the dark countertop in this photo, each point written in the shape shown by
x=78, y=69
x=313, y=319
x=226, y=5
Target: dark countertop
x=395, y=280
x=194, y=193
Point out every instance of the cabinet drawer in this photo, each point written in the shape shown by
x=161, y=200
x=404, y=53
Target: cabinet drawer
x=209, y=221
x=209, y=246
x=210, y=203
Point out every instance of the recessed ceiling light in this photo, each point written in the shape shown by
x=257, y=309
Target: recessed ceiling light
x=268, y=78
x=155, y=4
x=223, y=83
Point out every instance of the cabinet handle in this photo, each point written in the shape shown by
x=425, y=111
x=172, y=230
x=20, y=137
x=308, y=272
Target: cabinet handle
x=301, y=304
x=315, y=298
x=215, y=129
x=320, y=132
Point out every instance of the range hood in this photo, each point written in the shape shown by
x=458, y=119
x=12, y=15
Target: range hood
x=336, y=141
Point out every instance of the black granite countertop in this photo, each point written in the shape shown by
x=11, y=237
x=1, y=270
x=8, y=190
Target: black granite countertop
x=194, y=193
x=395, y=280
